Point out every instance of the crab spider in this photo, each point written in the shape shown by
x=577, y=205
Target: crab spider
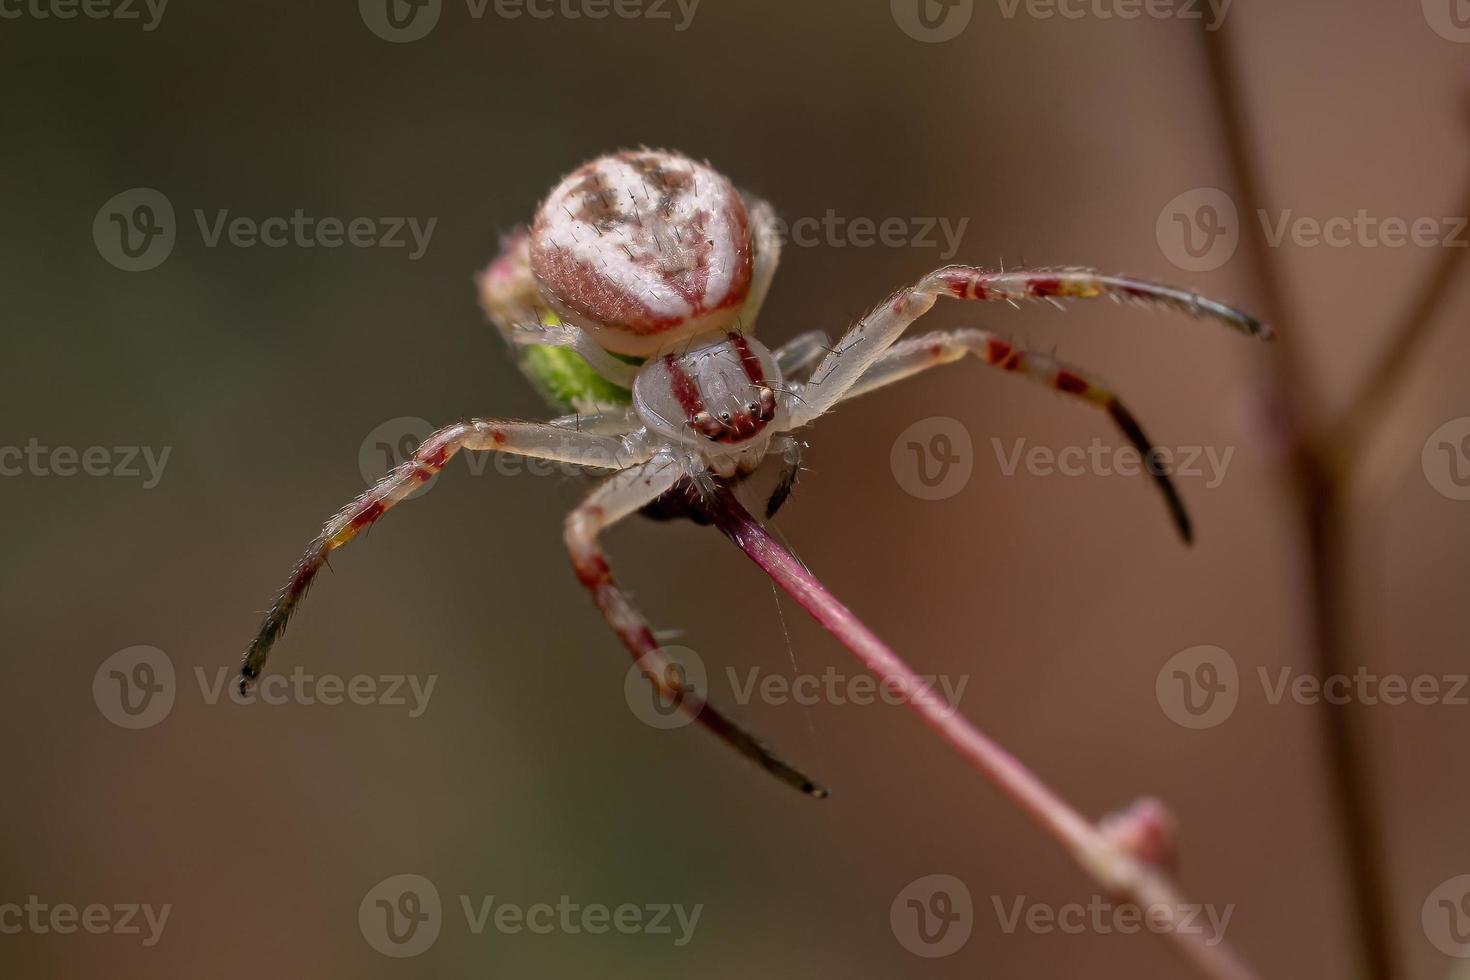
x=632, y=299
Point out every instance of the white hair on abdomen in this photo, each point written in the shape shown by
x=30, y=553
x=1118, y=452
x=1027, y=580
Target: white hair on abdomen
x=643, y=240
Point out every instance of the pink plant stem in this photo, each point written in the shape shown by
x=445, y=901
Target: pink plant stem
x=1113, y=867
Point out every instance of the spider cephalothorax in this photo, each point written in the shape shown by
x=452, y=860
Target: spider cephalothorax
x=632, y=300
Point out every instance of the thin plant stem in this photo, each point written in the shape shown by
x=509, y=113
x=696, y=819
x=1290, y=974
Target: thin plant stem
x=1103, y=857
x=1324, y=456
x=1320, y=516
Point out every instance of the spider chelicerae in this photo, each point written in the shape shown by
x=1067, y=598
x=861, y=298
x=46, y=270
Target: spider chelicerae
x=632, y=299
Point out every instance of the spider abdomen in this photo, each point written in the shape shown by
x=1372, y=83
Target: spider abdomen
x=643, y=247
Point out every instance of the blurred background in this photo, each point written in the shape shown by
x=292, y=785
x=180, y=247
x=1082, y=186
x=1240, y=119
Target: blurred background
x=262, y=382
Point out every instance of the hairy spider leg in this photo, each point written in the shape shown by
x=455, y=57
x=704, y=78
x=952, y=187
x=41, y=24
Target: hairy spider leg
x=865, y=342
x=909, y=357
x=801, y=353
x=615, y=498
x=535, y=439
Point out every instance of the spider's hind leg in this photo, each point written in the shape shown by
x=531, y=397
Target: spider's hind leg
x=909, y=357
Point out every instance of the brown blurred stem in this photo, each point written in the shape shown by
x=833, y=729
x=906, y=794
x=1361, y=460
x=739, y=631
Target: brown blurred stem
x=1322, y=457
x=1106, y=857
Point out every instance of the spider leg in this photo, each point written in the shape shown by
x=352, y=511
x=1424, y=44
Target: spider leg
x=612, y=420
x=615, y=498
x=864, y=343
x=790, y=449
x=907, y=358
x=766, y=238
x=801, y=353
x=527, y=334
x=535, y=439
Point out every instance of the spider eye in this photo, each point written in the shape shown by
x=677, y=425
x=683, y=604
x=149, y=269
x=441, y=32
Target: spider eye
x=724, y=416
x=751, y=408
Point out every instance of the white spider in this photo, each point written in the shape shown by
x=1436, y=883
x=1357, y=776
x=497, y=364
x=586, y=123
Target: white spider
x=652, y=268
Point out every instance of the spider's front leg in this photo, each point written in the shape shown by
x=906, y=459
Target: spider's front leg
x=802, y=353
x=557, y=441
x=618, y=496
x=908, y=357
x=866, y=342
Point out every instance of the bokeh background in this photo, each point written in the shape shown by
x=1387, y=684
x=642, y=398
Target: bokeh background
x=263, y=371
